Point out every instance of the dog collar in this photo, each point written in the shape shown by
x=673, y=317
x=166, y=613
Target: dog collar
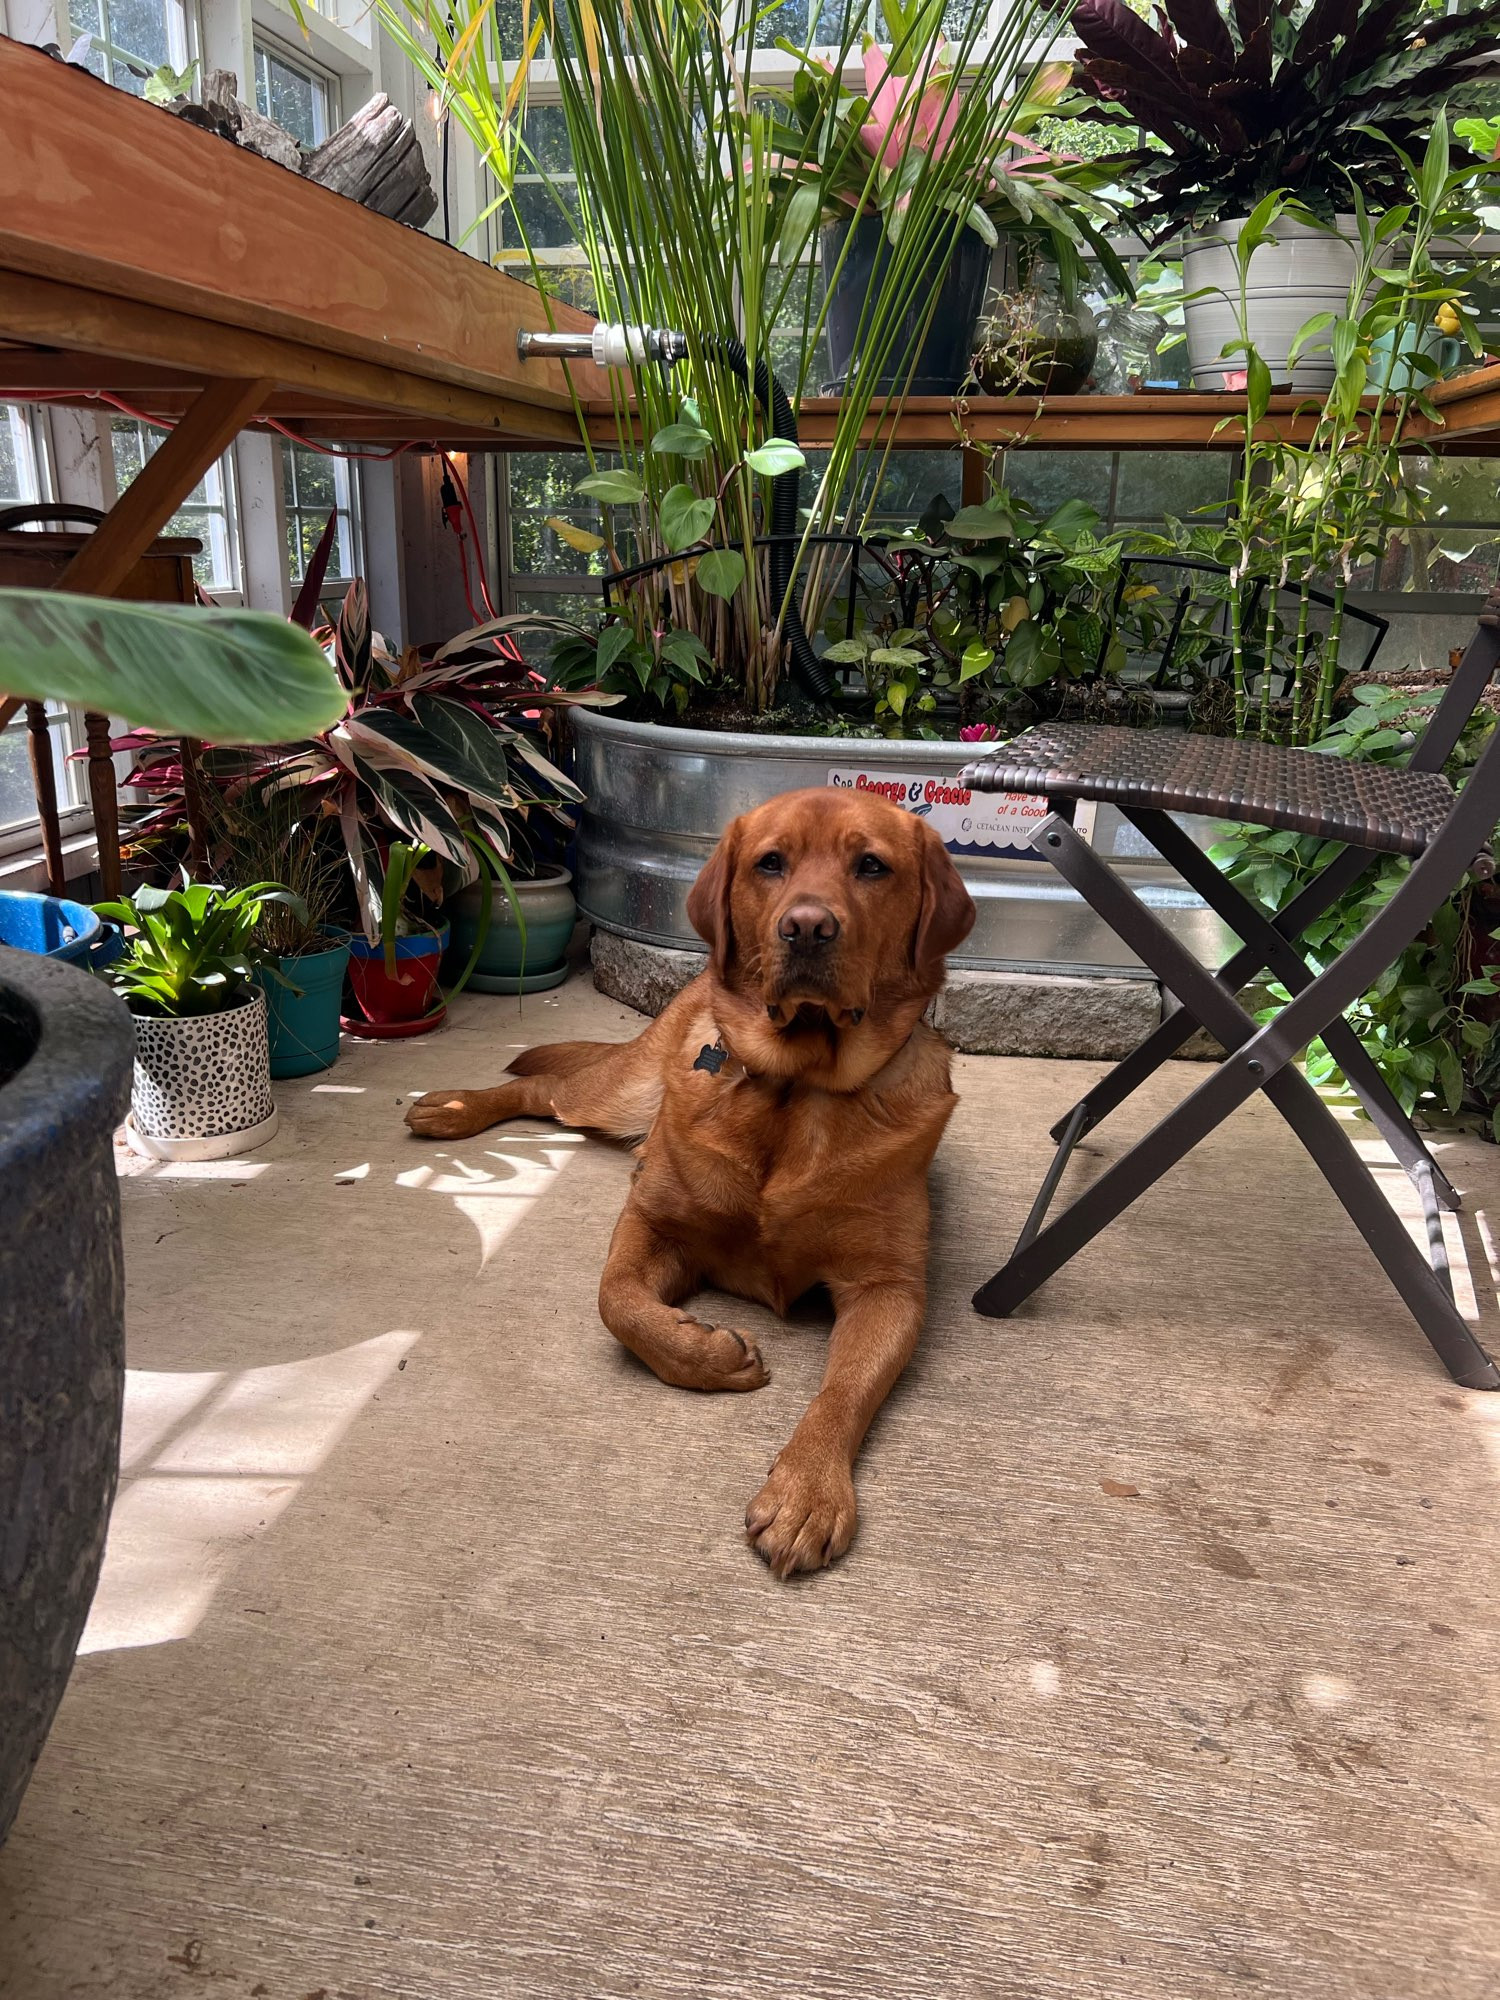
x=716, y=1059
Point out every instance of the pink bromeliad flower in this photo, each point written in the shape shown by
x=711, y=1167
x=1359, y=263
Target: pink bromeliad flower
x=894, y=127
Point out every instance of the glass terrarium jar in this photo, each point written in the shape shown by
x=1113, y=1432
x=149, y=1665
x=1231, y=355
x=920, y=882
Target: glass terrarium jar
x=1037, y=340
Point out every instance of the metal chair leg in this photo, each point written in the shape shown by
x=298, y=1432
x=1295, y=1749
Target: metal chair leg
x=1280, y=956
x=1165, y=1040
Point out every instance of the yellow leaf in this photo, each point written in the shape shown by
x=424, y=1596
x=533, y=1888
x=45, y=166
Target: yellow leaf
x=575, y=537
x=1015, y=612
x=463, y=47
x=523, y=64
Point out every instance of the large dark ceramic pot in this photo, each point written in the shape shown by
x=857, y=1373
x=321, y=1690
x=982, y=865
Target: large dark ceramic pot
x=66, y=1047
x=958, y=275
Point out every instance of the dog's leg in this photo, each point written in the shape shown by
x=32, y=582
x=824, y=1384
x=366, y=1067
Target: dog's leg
x=608, y=1087
x=644, y=1277
x=804, y=1516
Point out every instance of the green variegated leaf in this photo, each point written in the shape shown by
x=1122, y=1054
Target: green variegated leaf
x=227, y=676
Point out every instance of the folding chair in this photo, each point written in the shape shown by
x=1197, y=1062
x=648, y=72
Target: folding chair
x=1372, y=810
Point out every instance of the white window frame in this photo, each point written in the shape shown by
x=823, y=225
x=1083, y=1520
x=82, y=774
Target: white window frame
x=183, y=37
x=273, y=49
x=65, y=725
x=231, y=593
x=344, y=469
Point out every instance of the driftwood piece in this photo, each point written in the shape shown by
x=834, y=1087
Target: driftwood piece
x=376, y=160
x=224, y=112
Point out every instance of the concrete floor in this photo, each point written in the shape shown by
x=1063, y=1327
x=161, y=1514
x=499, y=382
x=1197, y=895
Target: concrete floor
x=429, y=1662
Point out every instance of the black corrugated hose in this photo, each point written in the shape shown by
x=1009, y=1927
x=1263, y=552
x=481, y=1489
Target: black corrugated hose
x=807, y=669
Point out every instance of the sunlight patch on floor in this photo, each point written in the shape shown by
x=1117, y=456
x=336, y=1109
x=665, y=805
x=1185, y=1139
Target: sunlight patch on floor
x=494, y=1186
x=209, y=1462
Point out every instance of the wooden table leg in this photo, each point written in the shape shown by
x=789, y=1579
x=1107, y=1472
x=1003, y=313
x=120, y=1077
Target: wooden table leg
x=105, y=801
x=44, y=783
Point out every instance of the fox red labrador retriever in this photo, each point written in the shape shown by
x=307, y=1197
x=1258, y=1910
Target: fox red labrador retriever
x=790, y=1100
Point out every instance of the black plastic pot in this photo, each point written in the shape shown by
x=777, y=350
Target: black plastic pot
x=66, y=1047
x=959, y=275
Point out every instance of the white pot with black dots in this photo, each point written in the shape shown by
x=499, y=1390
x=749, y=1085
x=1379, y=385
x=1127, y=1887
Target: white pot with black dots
x=202, y=1084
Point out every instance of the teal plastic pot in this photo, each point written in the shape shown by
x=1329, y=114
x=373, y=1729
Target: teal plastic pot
x=1392, y=370
x=551, y=911
x=304, y=1024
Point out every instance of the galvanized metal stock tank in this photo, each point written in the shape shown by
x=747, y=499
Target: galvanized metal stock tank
x=658, y=798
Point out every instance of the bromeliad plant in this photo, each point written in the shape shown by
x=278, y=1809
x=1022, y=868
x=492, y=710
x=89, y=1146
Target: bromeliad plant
x=678, y=155
x=829, y=134
x=1251, y=98
x=195, y=949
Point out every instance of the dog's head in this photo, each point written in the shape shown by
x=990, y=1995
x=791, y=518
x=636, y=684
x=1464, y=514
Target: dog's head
x=824, y=905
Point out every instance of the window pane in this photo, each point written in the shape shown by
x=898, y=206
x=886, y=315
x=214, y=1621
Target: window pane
x=207, y=515
x=19, y=473
x=1047, y=478
x=296, y=101
x=133, y=29
x=1150, y=485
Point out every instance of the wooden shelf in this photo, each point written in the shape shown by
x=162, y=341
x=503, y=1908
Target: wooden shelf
x=143, y=257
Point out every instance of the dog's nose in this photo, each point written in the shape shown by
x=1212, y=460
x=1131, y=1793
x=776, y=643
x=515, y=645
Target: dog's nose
x=806, y=925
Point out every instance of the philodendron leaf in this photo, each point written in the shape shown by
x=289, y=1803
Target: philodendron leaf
x=721, y=572
x=775, y=456
x=976, y=658
x=613, y=641
x=682, y=441
x=574, y=536
x=981, y=524
x=231, y=676
x=616, y=489
x=685, y=518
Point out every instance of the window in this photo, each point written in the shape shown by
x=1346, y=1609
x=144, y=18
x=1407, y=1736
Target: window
x=209, y=513
x=313, y=486
x=301, y=100
x=132, y=38
x=23, y=477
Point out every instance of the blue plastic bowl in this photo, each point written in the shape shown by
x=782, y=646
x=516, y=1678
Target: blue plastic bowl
x=49, y=925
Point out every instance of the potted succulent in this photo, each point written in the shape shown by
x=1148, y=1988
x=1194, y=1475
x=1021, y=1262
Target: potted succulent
x=1254, y=99
x=65, y=1061
x=202, y=1085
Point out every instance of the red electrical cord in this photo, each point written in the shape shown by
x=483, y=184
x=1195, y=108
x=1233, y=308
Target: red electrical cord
x=507, y=646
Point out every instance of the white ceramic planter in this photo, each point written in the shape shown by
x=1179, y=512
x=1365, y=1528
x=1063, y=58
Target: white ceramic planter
x=1303, y=272
x=202, y=1085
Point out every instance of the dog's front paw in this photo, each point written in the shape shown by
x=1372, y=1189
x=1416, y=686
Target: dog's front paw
x=451, y=1114
x=804, y=1516
x=719, y=1358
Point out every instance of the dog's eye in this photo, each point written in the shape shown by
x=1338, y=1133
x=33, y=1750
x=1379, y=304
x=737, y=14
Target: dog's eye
x=771, y=864
x=871, y=865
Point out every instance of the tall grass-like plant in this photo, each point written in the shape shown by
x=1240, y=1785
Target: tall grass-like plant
x=680, y=148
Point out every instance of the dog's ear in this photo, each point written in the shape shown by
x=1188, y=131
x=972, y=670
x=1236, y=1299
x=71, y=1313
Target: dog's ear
x=708, y=900
x=947, y=913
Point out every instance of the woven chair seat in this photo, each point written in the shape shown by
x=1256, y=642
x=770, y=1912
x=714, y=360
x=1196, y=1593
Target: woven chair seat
x=1263, y=784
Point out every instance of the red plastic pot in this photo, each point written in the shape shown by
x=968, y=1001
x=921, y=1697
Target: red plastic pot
x=407, y=1002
